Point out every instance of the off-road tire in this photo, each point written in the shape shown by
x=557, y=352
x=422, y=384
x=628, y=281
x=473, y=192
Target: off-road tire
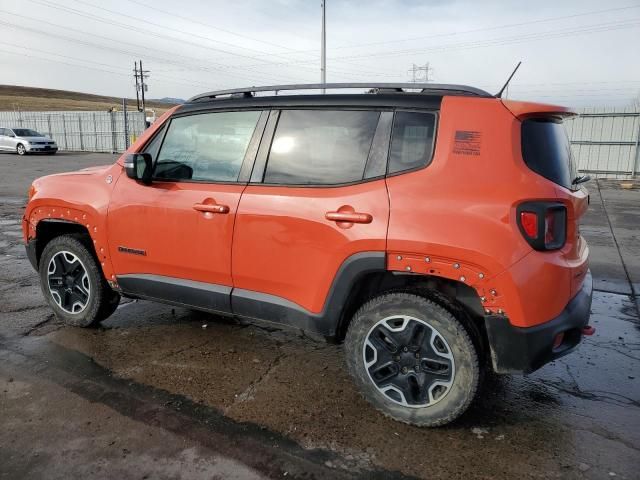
x=467, y=368
x=20, y=149
x=102, y=300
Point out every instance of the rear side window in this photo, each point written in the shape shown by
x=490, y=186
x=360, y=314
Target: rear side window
x=546, y=150
x=412, y=141
x=207, y=147
x=320, y=147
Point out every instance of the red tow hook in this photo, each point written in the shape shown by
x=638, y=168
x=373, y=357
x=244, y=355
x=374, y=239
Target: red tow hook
x=588, y=330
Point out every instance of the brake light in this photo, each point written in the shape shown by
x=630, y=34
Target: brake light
x=543, y=224
x=529, y=222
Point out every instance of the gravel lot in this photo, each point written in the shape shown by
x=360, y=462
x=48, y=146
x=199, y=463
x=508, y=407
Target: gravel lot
x=164, y=392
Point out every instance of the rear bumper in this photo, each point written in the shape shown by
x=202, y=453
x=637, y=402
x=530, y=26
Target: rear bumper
x=523, y=350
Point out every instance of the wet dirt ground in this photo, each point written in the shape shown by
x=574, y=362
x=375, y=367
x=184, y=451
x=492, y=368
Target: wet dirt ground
x=164, y=392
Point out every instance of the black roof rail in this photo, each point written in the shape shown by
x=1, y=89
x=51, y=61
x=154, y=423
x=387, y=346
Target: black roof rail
x=434, y=88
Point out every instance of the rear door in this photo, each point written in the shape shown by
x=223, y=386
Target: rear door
x=317, y=197
x=171, y=240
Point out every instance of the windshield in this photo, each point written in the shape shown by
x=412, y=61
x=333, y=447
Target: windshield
x=546, y=150
x=25, y=132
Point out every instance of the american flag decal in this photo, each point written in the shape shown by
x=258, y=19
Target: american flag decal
x=467, y=142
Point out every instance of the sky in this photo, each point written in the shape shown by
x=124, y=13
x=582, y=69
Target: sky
x=576, y=53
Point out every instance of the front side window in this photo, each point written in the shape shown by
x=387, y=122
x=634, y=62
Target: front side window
x=208, y=147
x=412, y=141
x=320, y=147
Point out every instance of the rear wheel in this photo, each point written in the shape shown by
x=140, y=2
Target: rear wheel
x=412, y=359
x=20, y=149
x=73, y=284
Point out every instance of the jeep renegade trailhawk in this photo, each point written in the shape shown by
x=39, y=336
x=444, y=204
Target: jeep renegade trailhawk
x=431, y=228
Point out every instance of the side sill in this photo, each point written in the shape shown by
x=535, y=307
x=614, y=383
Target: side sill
x=177, y=291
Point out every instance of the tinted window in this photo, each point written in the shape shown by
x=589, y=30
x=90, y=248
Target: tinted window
x=412, y=141
x=25, y=132
x=546, y=150
x=320, y=147
x=206, y=147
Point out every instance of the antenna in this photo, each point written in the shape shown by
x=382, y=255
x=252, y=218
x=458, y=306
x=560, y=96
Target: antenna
x=499, y=94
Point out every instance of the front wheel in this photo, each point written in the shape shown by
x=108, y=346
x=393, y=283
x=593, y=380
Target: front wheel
x=73, y=284
x=412, y=359
x=21, y=150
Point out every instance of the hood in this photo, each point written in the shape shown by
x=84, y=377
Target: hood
x=85, y=171
x=98, y=169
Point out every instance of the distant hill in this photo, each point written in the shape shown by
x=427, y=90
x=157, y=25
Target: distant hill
x=14, y=97
x=169, y=100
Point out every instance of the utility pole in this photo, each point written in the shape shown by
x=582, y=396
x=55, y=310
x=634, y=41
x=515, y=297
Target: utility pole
x=416, y=70
x=323, y=51
x=135, y=74
x=143, y=85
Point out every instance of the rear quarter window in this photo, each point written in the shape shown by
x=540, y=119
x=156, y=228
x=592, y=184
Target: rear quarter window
x=411, y=141
x=546, y=150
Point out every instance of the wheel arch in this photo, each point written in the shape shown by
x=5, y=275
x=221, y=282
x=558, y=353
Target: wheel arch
x=456, y=296
x=48, y=229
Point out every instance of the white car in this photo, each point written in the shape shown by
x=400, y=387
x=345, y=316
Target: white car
x=25, y=140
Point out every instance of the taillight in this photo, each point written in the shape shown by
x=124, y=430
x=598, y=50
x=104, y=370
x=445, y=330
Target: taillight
x=529, y=222
x=543, y=224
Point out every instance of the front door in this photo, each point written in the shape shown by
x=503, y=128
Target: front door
x=171, y=240
x=320, y=200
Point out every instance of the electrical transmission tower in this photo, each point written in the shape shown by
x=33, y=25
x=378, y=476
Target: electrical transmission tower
x=420, y=73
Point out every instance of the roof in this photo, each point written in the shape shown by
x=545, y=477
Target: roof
x=437, y=89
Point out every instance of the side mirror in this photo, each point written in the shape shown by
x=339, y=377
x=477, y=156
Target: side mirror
x=139, y=166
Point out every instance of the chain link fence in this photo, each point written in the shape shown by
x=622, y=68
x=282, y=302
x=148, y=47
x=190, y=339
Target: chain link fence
x=605, y=141
x=83, y=131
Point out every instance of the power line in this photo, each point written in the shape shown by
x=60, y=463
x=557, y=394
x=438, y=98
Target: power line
x=135, y=28
x=178, y=81
x=594, y=28
x=485, y=29
x=288, y=50
x=198, y=66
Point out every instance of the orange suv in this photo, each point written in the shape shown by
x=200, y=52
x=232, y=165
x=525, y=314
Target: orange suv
x=431, y=228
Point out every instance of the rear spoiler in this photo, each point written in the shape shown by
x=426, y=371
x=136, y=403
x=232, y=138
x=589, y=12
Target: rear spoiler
x=531, y=109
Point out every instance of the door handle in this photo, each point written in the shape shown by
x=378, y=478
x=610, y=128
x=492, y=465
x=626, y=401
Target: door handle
x=349, y=217
x=211, y=208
